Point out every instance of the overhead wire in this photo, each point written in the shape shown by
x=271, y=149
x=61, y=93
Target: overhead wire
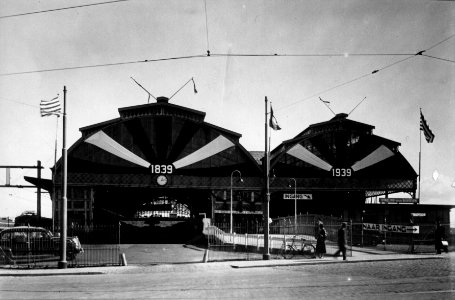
x=195, y=56
x=207, y=28
x=23, y=103
x=439, y=58
x=103, y=65
x=62, y=8
x=420, y=53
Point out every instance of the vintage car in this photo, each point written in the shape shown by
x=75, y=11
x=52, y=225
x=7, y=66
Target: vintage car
x=36, y=242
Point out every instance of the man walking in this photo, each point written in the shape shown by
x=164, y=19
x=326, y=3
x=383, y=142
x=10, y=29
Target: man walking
x=341, y=241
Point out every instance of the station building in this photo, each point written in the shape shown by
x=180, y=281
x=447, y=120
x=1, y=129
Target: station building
x=161, y=162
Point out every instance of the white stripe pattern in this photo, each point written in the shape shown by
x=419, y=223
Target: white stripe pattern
x=50, y=107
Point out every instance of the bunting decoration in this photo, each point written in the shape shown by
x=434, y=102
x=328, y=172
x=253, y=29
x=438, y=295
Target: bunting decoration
x=300, y=152
x=378, y=155
x=219, y=144
x=105, y=142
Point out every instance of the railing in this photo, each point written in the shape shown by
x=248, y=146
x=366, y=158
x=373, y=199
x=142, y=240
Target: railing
x=27, y=248
x=247, y=241
x=223, y=245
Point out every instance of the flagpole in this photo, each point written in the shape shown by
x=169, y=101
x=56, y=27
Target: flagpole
x=62, y=264
x=53, y=198
x=420, y=151
x=266, y=254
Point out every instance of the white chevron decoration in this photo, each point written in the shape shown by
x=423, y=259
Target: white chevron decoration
x=105, y=142
x=214, y=147
x=381, y=153
x=305, y=155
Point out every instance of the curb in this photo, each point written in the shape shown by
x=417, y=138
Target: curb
x=298, y=263
x=48, y=274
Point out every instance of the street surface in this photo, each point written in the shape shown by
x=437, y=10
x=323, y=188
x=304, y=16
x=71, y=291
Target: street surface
x=398, y=279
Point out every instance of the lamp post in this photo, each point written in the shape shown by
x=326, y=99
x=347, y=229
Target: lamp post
x=241, y=180
x=295, y=203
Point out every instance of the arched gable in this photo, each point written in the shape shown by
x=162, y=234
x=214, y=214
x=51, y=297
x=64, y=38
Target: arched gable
x=158, y=137
x=343, y=155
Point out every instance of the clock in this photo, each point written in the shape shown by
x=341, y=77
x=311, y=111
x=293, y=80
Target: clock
x=161, y=180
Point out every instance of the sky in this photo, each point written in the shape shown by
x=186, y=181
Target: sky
x=327, y=49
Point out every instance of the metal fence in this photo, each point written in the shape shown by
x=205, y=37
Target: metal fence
x=247, y=239
x=28, y=247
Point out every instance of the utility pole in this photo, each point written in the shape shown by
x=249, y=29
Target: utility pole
x=8, y=184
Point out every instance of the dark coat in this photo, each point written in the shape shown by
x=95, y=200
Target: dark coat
x=320, y=243
x=342, y=238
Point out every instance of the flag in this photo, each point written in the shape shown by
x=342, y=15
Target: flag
x=323, y=101
x=50, y=107
x=273, y=122
x=429, y=136
x=194, y=86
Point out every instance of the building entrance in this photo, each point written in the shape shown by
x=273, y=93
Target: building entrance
x=150, y=215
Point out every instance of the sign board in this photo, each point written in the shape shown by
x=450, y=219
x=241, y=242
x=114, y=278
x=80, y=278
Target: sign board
x=245, y=212
x=391, y=228
x=418, y=214
x=299, y=196
x=398, y=200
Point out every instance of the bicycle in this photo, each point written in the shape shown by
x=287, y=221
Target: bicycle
x=307, y=250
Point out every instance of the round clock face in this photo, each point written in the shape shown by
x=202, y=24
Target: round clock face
x=161, y=180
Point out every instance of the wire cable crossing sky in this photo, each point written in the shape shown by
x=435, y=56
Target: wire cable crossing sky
x=238, y=52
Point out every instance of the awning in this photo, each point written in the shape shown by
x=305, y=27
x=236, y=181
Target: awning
x=45, y=184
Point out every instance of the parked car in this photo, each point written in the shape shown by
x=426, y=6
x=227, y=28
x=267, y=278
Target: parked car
x=21, y=241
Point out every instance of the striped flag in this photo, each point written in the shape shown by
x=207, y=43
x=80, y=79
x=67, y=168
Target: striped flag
x=50, y=107
x=429, y=136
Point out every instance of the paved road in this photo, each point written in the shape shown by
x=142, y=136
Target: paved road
x=398, y=279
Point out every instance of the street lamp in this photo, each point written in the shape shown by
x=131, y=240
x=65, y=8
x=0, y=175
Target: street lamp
x=241, y=180
x=295, y=203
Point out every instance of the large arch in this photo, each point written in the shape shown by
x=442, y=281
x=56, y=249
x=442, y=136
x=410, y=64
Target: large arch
x=337, y=164
x=157, y=156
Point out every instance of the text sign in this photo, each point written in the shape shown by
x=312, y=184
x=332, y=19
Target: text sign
x=391, y=228
x=418, y=214
x=398, y=200
x=298, y=196
x=245, y=212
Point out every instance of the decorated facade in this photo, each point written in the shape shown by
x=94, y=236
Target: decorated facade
x=162, y=161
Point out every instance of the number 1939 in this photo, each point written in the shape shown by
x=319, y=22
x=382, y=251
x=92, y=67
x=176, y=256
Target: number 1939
x=341, y=172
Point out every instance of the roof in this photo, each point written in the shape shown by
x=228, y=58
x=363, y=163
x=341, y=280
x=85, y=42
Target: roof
x=257, y=155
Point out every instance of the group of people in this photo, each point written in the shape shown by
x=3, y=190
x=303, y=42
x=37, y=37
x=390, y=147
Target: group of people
x=321, y=236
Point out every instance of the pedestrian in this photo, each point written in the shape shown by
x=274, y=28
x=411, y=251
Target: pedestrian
x=316, y=228
x=439, y=236
x=341, y=241
x=320, y=242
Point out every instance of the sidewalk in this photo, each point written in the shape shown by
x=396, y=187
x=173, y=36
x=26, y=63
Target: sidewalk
x=359, y=255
